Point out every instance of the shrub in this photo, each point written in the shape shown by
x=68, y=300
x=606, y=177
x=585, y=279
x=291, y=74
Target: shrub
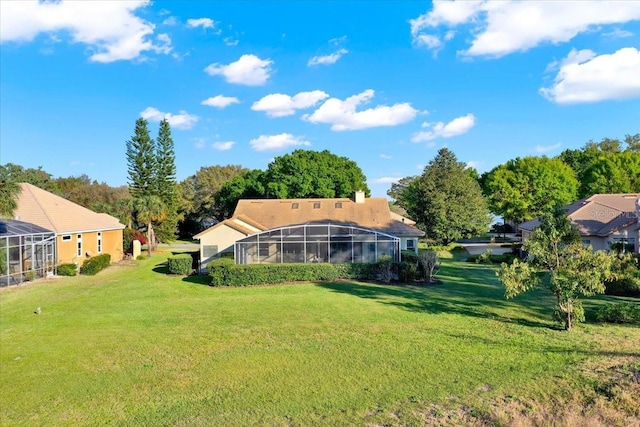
x=95, y=264
x=141, y=257
x=180, y=264
x=623, y=312
x=29, y=276
x=67, y=270
x=627, y=287
x=407, y=271
x=430, y=262
x=484, y=257
x=408, y=256
x=128, y=236
x=224, y=272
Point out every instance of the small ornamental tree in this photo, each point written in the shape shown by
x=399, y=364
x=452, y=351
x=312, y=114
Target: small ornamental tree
x=574, y=270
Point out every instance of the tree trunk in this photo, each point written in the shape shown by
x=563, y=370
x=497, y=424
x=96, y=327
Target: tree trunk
x=150, y=238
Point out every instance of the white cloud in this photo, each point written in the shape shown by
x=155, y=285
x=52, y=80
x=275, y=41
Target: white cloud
x=385, y=156
x=249, y=70
x=220, y=101
x=201, y=22
x=585, y=77
x=617, y=33
x=230, y=41
x=547, y=148
x=455, y=127
x=499, y=28
x=342, y=115
x=170, y=21
x=182, y=120
x=223, y=146
x=280, y=105
x=277, y=142
x=327, y=59
x=385, y=180
x=110, y=28
x=474, y=164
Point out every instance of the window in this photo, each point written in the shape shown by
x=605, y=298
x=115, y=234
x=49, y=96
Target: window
x=66, y=238
x=99, y=242
x=209, y=250
x=411, y=244
x=316, y=205
x=79, y=240
x=295, y=205
x=338, y=205
x=263, y=249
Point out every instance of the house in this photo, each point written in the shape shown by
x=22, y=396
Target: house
x=79, y=232
x=602, y=221
x=310, y=230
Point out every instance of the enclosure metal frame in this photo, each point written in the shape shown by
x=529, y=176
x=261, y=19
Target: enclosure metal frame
x=329, y=245
x=27, y=252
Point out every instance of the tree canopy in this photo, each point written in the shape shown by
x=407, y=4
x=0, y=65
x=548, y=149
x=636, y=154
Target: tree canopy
x=527, y=187
x=301, y=174
x=574, y=270
x=446, y=201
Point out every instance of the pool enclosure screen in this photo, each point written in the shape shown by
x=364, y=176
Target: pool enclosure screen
x=27, y=252
x=316, y=243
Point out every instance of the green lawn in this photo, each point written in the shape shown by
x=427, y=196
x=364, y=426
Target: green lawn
x=133, y=346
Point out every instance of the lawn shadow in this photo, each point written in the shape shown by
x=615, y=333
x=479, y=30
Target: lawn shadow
x=198, y=279
x=465, y=290
x=161, y=268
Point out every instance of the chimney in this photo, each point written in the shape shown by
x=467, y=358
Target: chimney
x=359, y=196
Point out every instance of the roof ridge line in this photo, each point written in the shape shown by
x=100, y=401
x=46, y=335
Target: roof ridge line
x=41, y=207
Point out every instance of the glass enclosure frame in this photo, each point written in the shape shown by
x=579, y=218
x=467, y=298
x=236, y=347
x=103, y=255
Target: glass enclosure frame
x=316, y=242
x=27, y=252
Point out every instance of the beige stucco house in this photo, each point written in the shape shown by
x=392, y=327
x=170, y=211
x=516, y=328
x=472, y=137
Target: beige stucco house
x=80, y=233
x=602, y=220
x=256, y=217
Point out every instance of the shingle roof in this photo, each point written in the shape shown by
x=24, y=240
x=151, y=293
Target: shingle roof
x=373, y=213
x=53, y=212
x=598, y=215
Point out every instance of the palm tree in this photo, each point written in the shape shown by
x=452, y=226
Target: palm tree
x=9, y=191
x=150, y=208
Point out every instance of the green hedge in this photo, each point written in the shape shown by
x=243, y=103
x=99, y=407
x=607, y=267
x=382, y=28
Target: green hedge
x=623, y=312
x=95, y=264
x=225, y=273
x=180, y=264
x=494, y=259
x=67, y=270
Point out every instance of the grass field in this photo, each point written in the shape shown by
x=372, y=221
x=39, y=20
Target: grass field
x=133, y=346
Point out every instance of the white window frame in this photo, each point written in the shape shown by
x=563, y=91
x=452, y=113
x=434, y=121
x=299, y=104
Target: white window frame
x=79, y=245
x=66, y=237
x=99, y=242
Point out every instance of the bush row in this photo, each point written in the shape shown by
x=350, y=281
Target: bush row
x=624, y=312
x=490, y=259
x=180, y=264
x=225, y=273
x=95, y=264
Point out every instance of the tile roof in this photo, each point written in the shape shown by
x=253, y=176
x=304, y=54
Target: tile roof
x=373, y=213
x=600, y=214
x=53, y=212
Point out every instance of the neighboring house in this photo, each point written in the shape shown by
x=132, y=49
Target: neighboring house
x=602, y=220
x=310, y=230
x=80, y=233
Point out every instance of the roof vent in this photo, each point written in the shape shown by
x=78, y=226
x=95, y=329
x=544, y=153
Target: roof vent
x=338, y=205
x=316, y=205
x=359, y=196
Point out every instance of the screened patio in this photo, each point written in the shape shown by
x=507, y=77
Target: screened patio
x=27, y=252
x=316, y=242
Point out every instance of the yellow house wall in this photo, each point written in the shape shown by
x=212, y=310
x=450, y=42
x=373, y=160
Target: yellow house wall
x=67, y=249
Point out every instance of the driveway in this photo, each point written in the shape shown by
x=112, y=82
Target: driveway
x=479, y=248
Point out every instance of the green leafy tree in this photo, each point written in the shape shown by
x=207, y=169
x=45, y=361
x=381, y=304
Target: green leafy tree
x=632, y=142
x=198, y=192
x=613, y=173
x=165, y=182
x=9, y=192
x=574, y=270
x=306, y=173
x=525, y=188
x=249, y=185
x=445, y=201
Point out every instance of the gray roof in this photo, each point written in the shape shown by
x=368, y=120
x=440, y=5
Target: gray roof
x=12, y=227
x=598, y=215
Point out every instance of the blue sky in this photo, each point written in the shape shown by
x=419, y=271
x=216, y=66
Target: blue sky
x=384, y=83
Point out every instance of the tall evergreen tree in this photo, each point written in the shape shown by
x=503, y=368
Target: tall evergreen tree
x=446, y=201
x=141, y=161
x=166, y=186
